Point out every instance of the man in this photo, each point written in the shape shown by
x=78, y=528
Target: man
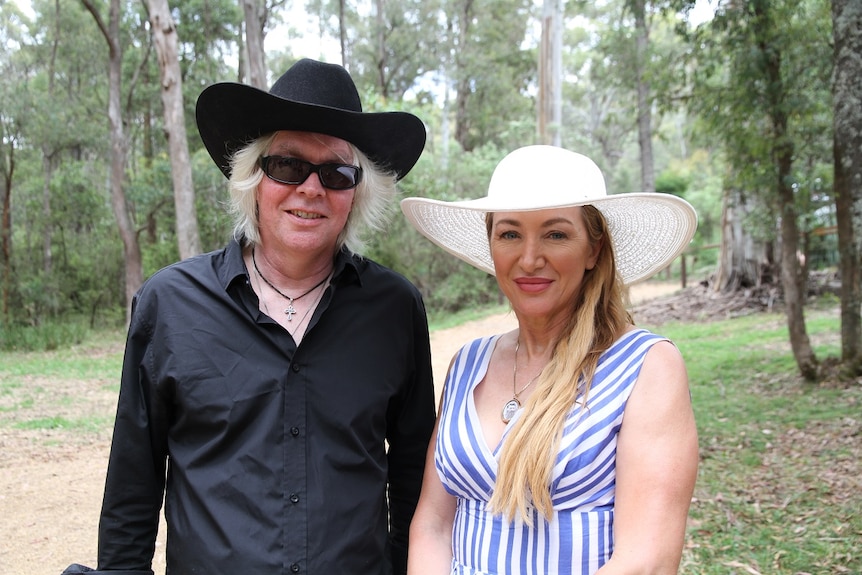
x=278, y=392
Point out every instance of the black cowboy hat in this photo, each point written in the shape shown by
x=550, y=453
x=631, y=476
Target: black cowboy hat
x=311, y=96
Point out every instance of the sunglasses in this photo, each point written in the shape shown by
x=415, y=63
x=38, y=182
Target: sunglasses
x=294, y=171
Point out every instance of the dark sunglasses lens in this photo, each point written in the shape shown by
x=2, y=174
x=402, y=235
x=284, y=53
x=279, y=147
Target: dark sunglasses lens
x=339, y=176
x=287, y=170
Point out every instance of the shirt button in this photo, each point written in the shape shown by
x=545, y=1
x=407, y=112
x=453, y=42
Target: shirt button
x=294, y=498
x=294, y=568
x=294, y=431
x=294, y=367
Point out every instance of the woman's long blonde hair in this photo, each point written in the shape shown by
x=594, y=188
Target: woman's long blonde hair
x=598, y=318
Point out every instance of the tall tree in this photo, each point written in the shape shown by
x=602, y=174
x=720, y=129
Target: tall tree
x=50, y=154
x=758, y=87
x=8, y=139
x=11, y=119
x=134, y=276
x=746, y=258
x=165, y=38
x=644, y=99
x=550, y=98
x=847, y=149
x=775, y=96
x=617, y=52
x=392, y=47
x=254, y=12
x=493, y=71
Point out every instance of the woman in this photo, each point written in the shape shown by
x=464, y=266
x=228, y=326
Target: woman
x=567, y=445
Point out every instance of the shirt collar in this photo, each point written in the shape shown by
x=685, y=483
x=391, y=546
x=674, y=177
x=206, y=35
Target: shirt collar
x=347, y=266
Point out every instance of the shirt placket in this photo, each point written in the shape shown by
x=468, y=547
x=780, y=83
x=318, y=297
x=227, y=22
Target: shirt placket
x=295, y=489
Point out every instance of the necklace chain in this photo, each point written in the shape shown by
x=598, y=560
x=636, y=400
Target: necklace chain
x=515, y=373
x=290, y=311
x=514, y=404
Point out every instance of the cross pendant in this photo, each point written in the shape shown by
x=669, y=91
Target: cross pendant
x=290, y=311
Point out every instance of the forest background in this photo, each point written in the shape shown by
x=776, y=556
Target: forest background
x=753, y=115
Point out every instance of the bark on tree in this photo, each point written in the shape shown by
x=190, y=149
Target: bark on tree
x=342, y=33
x=463, y=83
x=847, y=150
x=165, y=38
x=134, y=276
x=380, y=44
x=793, y=278
x=49, y=158
x=643, y=97
x=255, y=19
x=550, y=108
x=744, y=261
x=8, y=170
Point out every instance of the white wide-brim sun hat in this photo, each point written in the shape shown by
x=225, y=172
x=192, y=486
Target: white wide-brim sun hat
x=648, y=230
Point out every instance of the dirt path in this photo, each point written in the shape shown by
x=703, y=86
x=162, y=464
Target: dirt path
x=51, y=490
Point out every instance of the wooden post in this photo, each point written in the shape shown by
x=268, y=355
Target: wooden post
x=682, y=268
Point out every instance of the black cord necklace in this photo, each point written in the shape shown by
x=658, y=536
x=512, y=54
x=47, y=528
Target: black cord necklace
x=290, y=310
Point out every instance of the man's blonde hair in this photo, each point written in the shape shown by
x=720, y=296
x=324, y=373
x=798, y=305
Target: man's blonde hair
x=372, y=201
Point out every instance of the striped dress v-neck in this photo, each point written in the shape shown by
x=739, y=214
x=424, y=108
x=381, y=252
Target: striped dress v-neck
x=579, y=538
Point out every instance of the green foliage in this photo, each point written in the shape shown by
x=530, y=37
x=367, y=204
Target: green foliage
x=695, y=179
x=207, y=31
x=44, y=337
x=447, y=284
x=446, y=320
x=671, y=183
x=211, y=195
x=709, y=131
x=734, y=100
x=86, y=425
x=389, y=53
x=493, y=81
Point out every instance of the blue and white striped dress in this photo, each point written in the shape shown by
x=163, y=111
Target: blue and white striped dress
x=579, y=537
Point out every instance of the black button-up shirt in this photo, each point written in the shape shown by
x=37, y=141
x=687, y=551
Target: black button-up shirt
x=271, y=458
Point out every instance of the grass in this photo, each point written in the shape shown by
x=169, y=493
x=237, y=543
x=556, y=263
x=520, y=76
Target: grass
x=446, y=320
x=779, y=490
x=68, y=392
x=779, y=484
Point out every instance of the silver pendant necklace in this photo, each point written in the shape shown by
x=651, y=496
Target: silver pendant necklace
x=290, y=310
x=514, y=404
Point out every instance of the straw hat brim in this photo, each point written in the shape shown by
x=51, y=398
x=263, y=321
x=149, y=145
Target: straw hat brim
x=648, y=230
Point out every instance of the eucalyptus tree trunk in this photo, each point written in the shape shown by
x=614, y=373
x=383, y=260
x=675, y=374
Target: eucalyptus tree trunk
x=380, y=46
x=134, y=276
x=49, y=156
x=8, y=170
x=255, y=18
x=793, y=278
x=550, y=104
x=643, y=96
x=847, y=149
x=744, y=260
x=48, y=164
x=165, y=39
x=342, y=33
x=463, y=82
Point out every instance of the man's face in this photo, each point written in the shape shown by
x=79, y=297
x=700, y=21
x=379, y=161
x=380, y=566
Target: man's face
x=304, y=218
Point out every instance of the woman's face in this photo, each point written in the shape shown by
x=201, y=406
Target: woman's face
x=304, y=217
x=540, y=258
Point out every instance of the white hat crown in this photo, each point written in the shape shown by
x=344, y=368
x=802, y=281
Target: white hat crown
x=534, y=177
